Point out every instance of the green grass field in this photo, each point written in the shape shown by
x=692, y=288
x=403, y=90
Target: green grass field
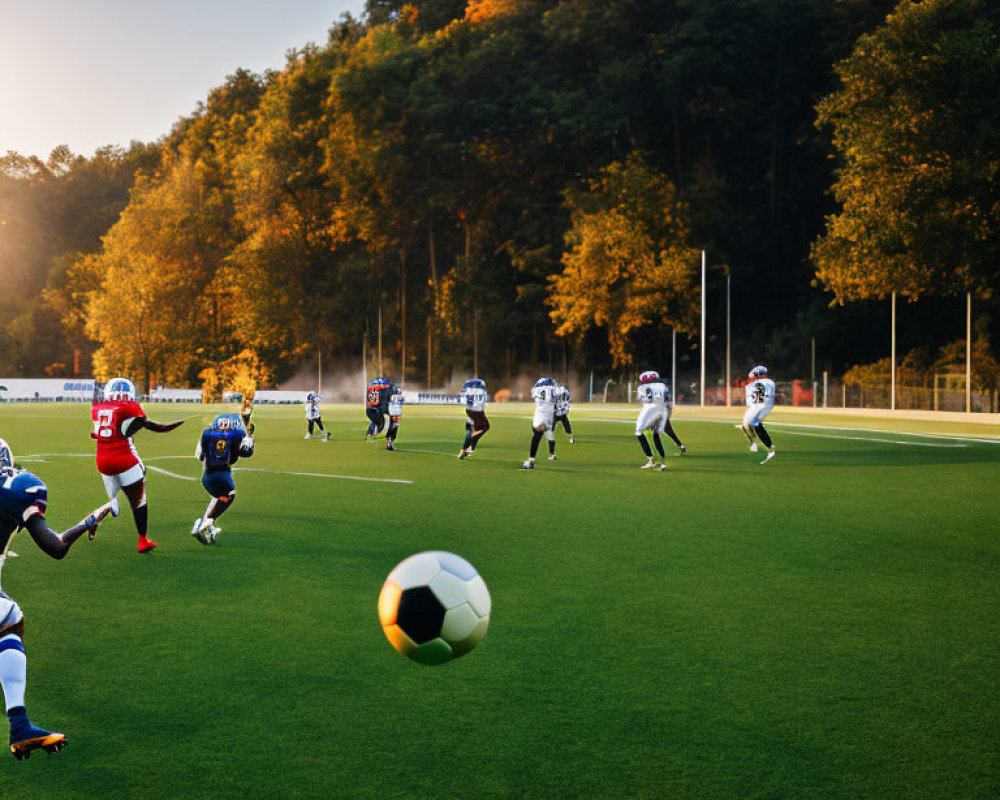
x=827, y=626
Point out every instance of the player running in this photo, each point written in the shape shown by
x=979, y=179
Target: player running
x=373, y=406
x=760, y=393
x=654, y=416
x=116, y=420
x=376, y=406
x=220, y=446
x=544, y=395
x=314, y=416
x=474, y=398
x=562, y=411
x=23, y=502
x=393, y=414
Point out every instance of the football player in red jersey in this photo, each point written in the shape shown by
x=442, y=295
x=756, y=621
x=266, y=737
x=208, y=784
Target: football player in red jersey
x=116, y=420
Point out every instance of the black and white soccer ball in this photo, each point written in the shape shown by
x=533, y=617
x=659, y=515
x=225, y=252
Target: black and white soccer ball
x=434, y=607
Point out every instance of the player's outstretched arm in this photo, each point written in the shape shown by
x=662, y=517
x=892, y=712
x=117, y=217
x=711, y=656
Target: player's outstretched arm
x=158, y=427
x=57, y=545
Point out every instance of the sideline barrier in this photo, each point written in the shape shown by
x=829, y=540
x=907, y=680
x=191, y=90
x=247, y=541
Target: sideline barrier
x=46, y=390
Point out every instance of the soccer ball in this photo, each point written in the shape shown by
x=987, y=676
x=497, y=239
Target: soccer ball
x=434, y=607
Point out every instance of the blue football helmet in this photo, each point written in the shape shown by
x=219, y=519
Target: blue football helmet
x=119, y=390
x=227, y=422
x=758, y=372
x=474, y=383
x=545, y=382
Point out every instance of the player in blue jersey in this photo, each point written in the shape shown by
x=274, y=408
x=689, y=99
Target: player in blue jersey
x=220, y=446
x=23, y=501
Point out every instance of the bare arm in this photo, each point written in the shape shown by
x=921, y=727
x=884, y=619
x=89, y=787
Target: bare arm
x=157, y=427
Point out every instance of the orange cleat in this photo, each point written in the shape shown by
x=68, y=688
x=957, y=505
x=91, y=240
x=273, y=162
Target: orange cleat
x=146, y=545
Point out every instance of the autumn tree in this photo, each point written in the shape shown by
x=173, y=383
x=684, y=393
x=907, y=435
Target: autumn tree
x=629, y=263
x=917, y=133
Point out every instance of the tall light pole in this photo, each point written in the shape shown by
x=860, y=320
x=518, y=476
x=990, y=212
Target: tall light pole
x=968, y=352
x=673, y=363
x=892, y=371
x=729, y=339
x=702, y=348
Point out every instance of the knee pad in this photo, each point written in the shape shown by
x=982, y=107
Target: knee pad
x=550, y=435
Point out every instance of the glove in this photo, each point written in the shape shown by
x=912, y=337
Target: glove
x=246, y=446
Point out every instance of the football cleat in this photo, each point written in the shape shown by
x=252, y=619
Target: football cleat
x=529, y=464
x=146, y=545
x=650, y=464
x=464, y=454
x=388, y=446
x=308, y=436
x=769, y=456
x=212, y=534
x=25, y=737
x=553, y=457
x=753, y=447
x=326, y=436
x=572, y=440
x=662, y=467
x=683, y=449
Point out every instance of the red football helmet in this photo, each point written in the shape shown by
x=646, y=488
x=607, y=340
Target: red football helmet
x=650, y=376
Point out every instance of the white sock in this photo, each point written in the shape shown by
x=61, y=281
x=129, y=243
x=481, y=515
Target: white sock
x=13, y=673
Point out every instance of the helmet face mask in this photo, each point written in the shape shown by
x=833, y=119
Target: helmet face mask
x=6, y=457
x=227, y=422
x=119, y=390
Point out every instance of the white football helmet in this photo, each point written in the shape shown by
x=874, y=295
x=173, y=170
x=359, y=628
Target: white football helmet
x=119, y=390
x=758, y=372
x=6, y=457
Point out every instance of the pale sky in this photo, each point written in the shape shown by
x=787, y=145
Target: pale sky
x=87, y=73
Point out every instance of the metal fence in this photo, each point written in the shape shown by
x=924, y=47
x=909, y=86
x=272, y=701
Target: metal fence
x=944, y=396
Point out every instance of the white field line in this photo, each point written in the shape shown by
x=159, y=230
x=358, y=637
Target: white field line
x=171, y=474
x=320, y=475
x=973, y=439
x=39, y=457
x=871, y=439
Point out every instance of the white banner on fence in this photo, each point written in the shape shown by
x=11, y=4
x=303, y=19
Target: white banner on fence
x=277, y=396
x=46, y=389
x=163, y=395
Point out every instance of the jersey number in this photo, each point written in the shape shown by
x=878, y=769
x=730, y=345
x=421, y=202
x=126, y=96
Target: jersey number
x=759, y=393
x=103, y=424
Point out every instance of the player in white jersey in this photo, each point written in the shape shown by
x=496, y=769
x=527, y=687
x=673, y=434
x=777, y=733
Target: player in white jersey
x=562, y=410
x=314, y=416
x=760, y=392
x=474, y=398
x=395, y=414
x=654, y=416
x=544, y=395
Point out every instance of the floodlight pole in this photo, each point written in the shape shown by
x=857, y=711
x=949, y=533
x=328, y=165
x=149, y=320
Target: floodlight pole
x=892, y=371
x=380, y=340
x=673, y=364
x=729, y=338
x=319, y=371
x=968, y=352
x=702, y=348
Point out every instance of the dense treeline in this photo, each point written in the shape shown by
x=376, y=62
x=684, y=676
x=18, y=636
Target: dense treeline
x=517, y=181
